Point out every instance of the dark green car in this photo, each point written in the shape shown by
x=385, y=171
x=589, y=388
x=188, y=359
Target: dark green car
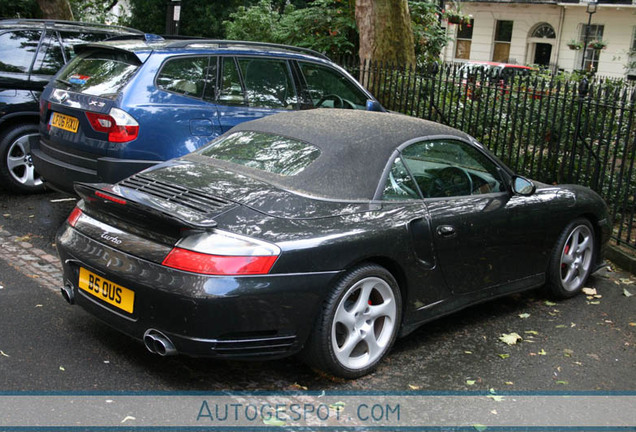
x=326, y=232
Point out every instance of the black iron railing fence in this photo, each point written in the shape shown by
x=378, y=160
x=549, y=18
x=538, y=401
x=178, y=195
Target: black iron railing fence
x=546, y=128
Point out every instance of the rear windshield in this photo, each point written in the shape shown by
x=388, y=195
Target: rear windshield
x=98, y=73
x=270, y=153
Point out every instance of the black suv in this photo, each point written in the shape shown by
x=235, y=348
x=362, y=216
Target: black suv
x=31, y=52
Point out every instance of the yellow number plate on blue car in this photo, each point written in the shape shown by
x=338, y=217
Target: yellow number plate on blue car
x=65, y=122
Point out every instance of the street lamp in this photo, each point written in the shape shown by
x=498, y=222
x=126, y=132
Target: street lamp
x=591, y=10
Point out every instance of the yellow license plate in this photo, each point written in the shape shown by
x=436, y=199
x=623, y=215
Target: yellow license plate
x=65, y=122
x=107, y=291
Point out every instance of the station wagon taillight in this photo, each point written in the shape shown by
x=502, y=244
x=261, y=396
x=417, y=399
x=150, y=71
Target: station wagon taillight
x=119, y=125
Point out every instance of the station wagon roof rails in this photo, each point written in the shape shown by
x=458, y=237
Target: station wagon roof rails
x=227, y=43
x=48, y=23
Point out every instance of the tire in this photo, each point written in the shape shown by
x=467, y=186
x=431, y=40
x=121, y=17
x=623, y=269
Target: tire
x=572, y=259
x=358, y=324
x=16, y=167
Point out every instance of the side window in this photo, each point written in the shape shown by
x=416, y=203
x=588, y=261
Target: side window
x=17, y=50
x=448, y=168
x=399, y=184
x=328, y=88
x=268, y=83
x=50, y=58
x=230, y=88
x=184, y=76
x=73, y=38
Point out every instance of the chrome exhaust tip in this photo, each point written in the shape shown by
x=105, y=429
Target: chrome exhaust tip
x=158, y=343
x=68, y=293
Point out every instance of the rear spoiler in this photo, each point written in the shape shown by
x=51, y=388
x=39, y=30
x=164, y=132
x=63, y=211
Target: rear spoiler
x=136, y=206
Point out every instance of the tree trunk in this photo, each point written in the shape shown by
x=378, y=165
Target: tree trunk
x=56, y=9
x=385, y=31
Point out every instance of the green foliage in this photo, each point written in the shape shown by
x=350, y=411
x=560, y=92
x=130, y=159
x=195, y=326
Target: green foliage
x=19, y=9
x=147, y=16
x=325, y=25
x=98, y=11
x=255, y=23
x=430, y=38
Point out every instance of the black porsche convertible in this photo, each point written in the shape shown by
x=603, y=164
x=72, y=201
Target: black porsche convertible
x=326, y=232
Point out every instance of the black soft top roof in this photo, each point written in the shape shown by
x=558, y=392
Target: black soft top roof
x=355, y=147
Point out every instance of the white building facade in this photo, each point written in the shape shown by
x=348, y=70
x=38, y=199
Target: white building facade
x=541, y=33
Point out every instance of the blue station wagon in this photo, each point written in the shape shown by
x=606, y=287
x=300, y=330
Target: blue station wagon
x=120, y=107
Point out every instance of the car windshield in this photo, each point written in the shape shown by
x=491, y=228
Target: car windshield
x=99, y=73
x=265, y=152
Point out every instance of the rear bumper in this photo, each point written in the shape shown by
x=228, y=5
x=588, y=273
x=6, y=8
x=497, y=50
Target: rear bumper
x=59, y=171
x=203, y=316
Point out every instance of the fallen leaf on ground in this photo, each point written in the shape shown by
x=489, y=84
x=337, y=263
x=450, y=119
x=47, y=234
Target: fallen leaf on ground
x=510, y=338
x=504, y=356
x=470, y=382
x=480, y=427
x=128, y=418
x=38, y=305
x=594, y=302
x=549, y=303
x=626, y=281
x=627, y=293
x=524, y=315
x=542, y=352
x=509, y=383
x=468, y=352
x=531, y=332
x=414, y=387
x=62, y=368
x=1, y=287
x=496, y=398
x=562, y=382
x=23, y=238
x=2, y=353
x=589, y=291
x=298, y=386
x=632, y=324
x=568, y=352
x=273, y=421
x=338, y=406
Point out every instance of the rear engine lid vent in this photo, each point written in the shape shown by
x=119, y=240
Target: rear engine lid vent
x=179, y=195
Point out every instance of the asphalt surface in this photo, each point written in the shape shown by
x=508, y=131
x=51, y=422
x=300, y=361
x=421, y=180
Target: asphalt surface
x=579, y=344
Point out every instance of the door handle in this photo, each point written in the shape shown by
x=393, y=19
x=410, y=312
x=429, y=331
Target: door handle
x=446, y=231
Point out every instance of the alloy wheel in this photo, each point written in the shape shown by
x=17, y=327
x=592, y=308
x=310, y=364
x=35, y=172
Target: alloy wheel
x=576, y=257
x=20, y=164
x=364, y=323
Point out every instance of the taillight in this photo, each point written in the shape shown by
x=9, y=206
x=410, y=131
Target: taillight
x=74, y=216
x=110, y=198
x=222, y=254
x=119, y=125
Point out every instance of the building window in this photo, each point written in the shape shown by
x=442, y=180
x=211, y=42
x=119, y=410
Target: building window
x=503, y=36
x=591, y=55
x=544, y=30
x=464, y=40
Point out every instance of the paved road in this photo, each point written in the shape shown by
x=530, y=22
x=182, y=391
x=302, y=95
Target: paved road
x=45, y=344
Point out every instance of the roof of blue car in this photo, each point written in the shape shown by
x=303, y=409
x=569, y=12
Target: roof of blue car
x=157, y=43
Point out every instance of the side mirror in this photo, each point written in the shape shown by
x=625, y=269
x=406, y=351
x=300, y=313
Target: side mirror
x=523, y=186
x=373, y=105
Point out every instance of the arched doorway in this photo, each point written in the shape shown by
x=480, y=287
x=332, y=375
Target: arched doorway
x=541, y=41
